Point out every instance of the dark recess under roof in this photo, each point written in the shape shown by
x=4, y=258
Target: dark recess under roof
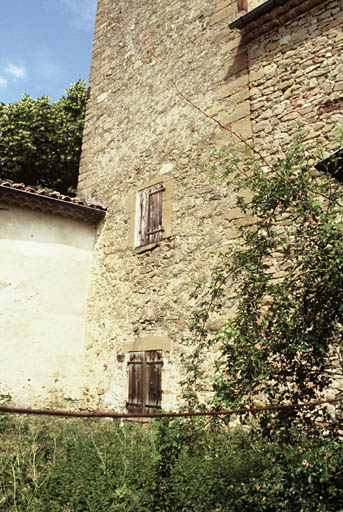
x=333, y=165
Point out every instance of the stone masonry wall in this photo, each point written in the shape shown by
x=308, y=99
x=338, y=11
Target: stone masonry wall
x=138, y=128
x=296, y=76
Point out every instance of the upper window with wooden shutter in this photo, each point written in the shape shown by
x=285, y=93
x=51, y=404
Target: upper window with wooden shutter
x=149, y=222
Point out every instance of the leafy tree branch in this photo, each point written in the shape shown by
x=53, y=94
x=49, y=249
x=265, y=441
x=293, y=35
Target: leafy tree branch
x=40, y=140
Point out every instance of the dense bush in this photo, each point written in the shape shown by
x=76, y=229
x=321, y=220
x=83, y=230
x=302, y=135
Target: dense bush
x=240, y=471
x=176, y=465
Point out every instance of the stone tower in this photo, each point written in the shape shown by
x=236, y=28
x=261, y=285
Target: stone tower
x=258, y=67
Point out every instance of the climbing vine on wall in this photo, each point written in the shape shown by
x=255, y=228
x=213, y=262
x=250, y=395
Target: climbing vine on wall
x=282, y=280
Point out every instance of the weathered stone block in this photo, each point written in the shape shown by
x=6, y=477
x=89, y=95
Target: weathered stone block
x=232, y=44
x=243, y=127
x=235, y=65
x=285, y=85
x=233, y=86
x=99, y=147
x=338, y=86
x=223, y=14
x=240, y=111
x=102, y=97
x=256, y=75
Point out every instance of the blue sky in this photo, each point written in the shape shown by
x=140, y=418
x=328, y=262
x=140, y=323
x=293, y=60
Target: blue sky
x=45, y=45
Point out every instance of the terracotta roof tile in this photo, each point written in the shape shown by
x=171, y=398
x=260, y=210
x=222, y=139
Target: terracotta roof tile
x=49, y=201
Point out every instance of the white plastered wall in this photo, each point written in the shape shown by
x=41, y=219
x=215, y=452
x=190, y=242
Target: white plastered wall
x=44, y=281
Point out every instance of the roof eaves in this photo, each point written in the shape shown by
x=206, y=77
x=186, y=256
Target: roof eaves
x=255, y=13
x=15, y=194
x=333, y=165
x=272, y=13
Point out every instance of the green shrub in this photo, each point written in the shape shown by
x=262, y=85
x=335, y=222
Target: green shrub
x=242, y=472
x=168, y=466
x=76, y=466
x=282, y=282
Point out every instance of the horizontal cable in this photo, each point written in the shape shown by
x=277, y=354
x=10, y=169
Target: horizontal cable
x=76, y=414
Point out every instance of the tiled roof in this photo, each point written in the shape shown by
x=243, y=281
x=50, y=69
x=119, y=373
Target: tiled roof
x=271, y=14
x=49, y=201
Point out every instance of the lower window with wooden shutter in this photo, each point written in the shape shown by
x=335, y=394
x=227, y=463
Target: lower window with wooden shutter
x=145, y=381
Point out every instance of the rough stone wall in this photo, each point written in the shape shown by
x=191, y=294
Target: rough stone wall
x=138, y=128
x=296, y=76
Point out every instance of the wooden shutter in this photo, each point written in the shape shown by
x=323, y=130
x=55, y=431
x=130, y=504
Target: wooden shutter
x=154, y=227
x=145, y=381
x=142, y=216
x=149, y=215
x=153, y=380
x=136, y=364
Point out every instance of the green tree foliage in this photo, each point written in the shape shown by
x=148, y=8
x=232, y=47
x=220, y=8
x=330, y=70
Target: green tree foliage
x=284, y=281
x=40, y=140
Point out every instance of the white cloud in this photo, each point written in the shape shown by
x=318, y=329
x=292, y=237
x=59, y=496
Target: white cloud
x=3, y=81
x=15, y=71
